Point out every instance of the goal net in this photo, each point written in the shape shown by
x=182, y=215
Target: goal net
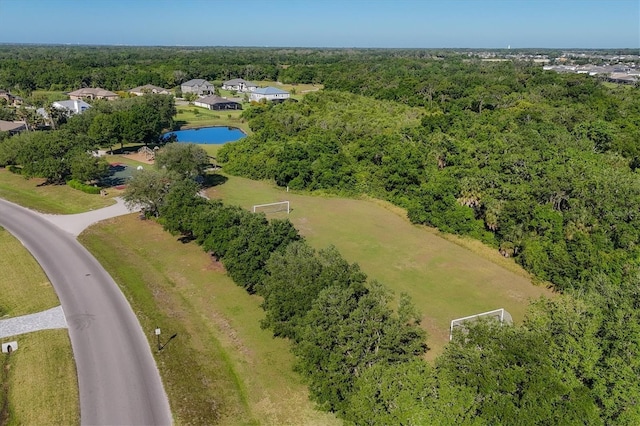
x=500, y=315
x=281, y=206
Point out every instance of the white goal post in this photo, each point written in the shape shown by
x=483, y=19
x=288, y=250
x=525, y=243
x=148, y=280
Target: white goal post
x=280, y=206
x=500, y=315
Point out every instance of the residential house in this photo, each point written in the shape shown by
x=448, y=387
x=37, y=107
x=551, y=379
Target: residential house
x=215, y=102
x=69, y=108
x=10, y=99
x=92, y=93
x=149, y=88
x=239, y=85
x=72, y=107
x=12, y=126
x=270, y=94
x=198, y=86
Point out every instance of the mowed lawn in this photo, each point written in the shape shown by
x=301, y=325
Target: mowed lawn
x=221, y=367
x=39, y=379
x=56, y=199
x=444, y=279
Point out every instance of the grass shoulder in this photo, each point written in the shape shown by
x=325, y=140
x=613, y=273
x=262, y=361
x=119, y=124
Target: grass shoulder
x=221, y=365
x=39, y=379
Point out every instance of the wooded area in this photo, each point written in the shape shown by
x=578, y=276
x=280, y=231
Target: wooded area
x=538, y=165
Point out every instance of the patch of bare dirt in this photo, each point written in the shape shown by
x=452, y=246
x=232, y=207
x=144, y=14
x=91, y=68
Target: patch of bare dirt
x=215, y=265
x=138, y=156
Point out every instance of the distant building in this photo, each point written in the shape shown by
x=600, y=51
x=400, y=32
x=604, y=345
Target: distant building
x=12, y=126
x=623, y=78
x=149, y=88
x=198, y=86
x=214, y=102
x=92, y=93
x=239, y=85
x=270, y=94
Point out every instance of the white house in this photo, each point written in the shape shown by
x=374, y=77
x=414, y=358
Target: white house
x=270, y=94
x=198, y=86
x=239, y=85
x=72, y=107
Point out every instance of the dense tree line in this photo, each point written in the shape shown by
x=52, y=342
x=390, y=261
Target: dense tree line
x=66, y=68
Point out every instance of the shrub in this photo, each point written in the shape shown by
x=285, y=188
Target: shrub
x=15, y=169
x=89, y=189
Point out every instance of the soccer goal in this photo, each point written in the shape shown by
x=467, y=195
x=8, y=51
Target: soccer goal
x=281, y=206
x=500, y=315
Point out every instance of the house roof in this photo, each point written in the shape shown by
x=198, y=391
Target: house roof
x=72, y=105
x=214, y=99
x=196, y=82
x=97, y=91
x=237, y=81
x=147, y=87
x=11, y=126
x=270, y=91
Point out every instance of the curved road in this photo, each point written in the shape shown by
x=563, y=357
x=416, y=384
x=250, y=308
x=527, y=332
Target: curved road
x=118, y=379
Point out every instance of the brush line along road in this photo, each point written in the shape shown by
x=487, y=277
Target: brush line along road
x=118, y=380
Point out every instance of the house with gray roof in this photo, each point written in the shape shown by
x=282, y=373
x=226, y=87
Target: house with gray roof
x=198, y=86
x=270, y=94
x=239, y=85
x=215, y=102
x=72, y=107
x=69, y=108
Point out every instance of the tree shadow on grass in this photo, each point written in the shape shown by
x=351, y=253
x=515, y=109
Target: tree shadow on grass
x=177, y=124
x=211, y=180
x=186, y=239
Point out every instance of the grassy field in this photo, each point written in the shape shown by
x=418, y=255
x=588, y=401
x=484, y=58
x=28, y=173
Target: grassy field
x=221, y=365
x=39, y=379
x=58, y=199
x=445, y=279
x=188, y=118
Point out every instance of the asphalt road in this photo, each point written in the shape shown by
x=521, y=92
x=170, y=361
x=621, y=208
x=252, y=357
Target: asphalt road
x=118, y=379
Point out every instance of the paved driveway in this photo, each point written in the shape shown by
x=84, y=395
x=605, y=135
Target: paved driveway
x=118, y=379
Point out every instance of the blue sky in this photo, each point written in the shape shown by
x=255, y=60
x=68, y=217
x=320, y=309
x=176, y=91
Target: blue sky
x=326, y=23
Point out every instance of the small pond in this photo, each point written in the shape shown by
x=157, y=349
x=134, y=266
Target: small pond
x=208, y=135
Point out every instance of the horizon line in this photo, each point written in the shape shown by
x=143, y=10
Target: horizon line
x=3, y=43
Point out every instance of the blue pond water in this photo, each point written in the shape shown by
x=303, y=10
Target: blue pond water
x=209, y=135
